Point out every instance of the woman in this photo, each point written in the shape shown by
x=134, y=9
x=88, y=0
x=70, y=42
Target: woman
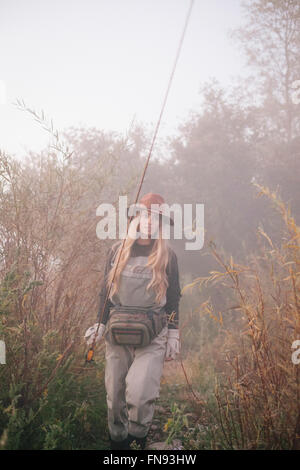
x=147, y=277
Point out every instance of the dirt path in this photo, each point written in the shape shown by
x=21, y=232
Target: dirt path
x=166, y=423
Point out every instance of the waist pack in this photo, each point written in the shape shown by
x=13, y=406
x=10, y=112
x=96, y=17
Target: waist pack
x=134, y=326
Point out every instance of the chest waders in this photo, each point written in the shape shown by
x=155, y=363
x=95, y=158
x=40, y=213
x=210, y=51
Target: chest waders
x=136, y=340
x=136, y=318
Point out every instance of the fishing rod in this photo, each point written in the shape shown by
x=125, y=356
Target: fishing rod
x=90, y=353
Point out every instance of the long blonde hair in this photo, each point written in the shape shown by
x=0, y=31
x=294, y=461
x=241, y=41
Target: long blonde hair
x=158, y=261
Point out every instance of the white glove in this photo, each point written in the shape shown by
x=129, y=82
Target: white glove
x=173, y=347
x=90, y=333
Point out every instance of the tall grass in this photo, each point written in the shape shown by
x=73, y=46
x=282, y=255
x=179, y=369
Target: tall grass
x=257, y=388
x=50, y=273
x=48, y=283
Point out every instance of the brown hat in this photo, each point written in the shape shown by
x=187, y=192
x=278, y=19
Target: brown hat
x=149, y=199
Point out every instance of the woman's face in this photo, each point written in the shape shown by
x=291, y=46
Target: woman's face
x=149, y=224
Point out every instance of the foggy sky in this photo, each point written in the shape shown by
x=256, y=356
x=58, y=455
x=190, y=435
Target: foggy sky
x=102, y=63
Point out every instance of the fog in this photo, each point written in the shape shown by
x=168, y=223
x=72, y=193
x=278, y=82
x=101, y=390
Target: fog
x=82, y=86
x=102, y=64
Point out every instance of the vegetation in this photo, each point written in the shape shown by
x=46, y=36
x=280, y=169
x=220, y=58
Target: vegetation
x=257, y=387
x=235, y=386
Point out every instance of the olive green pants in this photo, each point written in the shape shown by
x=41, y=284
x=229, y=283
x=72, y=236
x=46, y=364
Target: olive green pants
x=132, y=381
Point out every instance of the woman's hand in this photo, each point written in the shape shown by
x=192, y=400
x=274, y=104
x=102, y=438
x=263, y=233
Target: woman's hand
x=90, y=333
x=173, y=345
